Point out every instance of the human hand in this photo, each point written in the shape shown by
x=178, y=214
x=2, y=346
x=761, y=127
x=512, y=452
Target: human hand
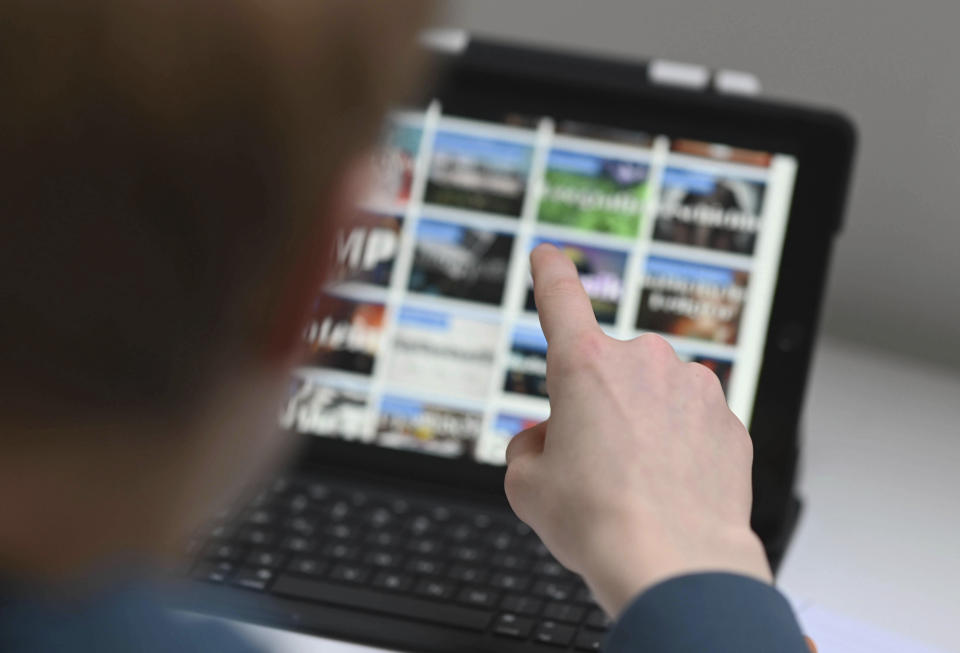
x=642, y=472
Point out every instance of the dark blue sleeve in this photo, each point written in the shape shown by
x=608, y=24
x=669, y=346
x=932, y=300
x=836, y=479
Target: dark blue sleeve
x=711, y=612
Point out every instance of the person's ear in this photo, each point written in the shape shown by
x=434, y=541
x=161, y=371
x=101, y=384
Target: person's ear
x=305, y=278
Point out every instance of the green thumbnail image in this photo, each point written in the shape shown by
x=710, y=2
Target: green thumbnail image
x=589, y=192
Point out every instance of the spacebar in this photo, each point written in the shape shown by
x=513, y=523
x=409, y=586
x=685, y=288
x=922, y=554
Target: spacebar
x=365, y=599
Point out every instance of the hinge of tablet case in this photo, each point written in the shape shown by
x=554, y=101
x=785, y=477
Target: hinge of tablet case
x=656, y=72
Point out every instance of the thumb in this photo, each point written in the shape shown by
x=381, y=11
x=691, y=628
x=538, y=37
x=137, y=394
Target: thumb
x=527, y=442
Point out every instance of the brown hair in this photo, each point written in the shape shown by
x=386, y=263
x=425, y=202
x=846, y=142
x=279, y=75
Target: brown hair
x=162, y=163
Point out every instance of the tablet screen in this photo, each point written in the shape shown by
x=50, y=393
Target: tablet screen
x=427, y=338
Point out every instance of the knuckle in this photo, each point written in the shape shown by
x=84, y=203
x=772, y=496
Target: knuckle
x=582, y=350
x=705, y=379
x=656, y=346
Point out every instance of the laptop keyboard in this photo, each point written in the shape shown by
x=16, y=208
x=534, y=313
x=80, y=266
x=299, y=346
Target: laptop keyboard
x=414, y=558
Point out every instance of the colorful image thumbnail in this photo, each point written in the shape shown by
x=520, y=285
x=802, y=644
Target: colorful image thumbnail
x=394, y=163
x=526, y=372
x=460, y=262
x=692, y=300
x=595, y=193
x=344, y=334
x=441, y=352
x=601, y=273
x=708, y=210
x=365, y=249
x=413, y=425
x=319, y=409
x=720, y=152
x=479, y=174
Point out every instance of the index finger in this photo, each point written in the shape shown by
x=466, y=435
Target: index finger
x=562, y=303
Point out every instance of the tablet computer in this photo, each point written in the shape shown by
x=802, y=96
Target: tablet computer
x=703, y=216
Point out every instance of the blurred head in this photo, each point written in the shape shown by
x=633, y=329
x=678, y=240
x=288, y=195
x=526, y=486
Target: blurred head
x=170, y=173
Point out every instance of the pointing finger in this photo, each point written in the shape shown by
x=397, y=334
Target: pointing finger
x=564, y=308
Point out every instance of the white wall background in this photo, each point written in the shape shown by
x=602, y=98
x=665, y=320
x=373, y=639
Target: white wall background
x=893, y=66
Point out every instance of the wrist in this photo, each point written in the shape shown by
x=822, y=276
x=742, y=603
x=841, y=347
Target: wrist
x=625, y=562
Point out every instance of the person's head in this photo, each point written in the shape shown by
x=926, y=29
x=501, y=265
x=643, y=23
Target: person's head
x=169, y=174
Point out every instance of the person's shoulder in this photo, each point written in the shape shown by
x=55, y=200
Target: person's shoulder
x=127, y=617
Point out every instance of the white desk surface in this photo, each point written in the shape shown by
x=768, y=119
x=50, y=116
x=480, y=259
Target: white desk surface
x=879, y=539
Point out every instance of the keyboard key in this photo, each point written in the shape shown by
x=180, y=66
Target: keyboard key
x=466, y=553
x=425, y=566
x=339, y=511
x=307, y=566
x=253, y=578
x=382, y=559
x=298, y=503
x=379, y=601
x=553, y=590
x=510, y=625
x=256, y=536
x=420, y=525
x=221, y=551
x=510, y=561
x=550, y=632
x=318, y=491
x=461, y=533
x=434, y=588
x=298, y=544
x=566, y=612
x=359, y=498
x=393, y=581
x=265, y=559
x=521, y=604
x=260, y=517
x=302, y=526
x=589, y=640
x=583, y=595
x=550, y=568
x=425, y=546
x=213, y=572
x=384, y=539
x=598, y=619
x=379, y=518
x=349, y=573
x=340, y=531
x=538, y=549
x=508, y=581
x=500, y=541
x=341, y=551
x=440, y=513
x=467, y=574
x=478, y=596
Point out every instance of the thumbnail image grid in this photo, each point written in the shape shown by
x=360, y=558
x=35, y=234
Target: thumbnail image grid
x=446, y=365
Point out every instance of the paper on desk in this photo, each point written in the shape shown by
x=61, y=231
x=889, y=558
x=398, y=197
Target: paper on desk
x=834, y=633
